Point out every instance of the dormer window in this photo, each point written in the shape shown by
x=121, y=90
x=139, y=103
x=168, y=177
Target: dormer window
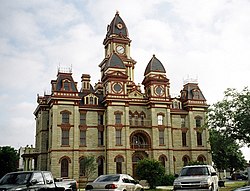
x=176, y=104
x=66, y=85
x=91, y=100
x=196, y=94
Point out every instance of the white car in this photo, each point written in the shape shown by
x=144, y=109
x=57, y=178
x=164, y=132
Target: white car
x=114, y=182
x=197, y=177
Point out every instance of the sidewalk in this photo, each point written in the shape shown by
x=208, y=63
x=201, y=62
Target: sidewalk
x=165, y=187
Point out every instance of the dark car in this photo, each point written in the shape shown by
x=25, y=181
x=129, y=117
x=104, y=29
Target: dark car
x=238, y=175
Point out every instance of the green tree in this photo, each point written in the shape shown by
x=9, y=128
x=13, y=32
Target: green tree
x=190, y=163
x=8, y=160
x=90, y=166
x=231, y=115
x=226, y=152
x=150, y=170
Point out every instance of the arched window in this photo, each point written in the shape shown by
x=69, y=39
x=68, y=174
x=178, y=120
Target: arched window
x=82, y=168
x=64, y=167
x=201, y=159
x=198, y=122
x=185, y=160
x=199, y=138
x=118, y=161
x=100, y=163
x=66, y=85
x=163, y=160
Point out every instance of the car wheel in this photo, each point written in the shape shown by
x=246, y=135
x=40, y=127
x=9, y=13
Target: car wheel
x=142, y=189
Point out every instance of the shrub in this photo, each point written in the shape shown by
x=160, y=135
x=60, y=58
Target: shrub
x=167, y=180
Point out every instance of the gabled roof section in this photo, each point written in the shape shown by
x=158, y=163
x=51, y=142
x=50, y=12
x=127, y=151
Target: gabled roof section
x=117, y=26
x=135, y=94
x=114, y=62
x=154, y=65
x=64, y=82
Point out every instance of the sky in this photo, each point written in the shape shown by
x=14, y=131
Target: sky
x=194, y=39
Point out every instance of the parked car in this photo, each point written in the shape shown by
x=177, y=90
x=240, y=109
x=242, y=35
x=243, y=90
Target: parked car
x=114, y=182
x=246, y=188
x=31, y=180
x=68, y=184
x=239, y=175
x=197, y=177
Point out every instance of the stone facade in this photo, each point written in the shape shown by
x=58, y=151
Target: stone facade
x=115, y=121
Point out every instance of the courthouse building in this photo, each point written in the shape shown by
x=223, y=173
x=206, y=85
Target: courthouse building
x=116, y=121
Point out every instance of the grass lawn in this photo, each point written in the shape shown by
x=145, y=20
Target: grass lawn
x=231, y=186
x=228, y=186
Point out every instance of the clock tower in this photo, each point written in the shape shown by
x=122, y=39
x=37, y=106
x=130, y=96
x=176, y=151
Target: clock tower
x=117, y=42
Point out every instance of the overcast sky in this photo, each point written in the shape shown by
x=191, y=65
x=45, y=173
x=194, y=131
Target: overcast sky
x=201, y=39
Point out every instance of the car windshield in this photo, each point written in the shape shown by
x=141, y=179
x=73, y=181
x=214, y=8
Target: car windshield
x=108, y=178
x=15, y=178
x=194, y=171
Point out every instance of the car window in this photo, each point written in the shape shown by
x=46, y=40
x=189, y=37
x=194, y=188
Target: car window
x=194, y=171
x=38, y=177
x=109, y=178
x=16, y=178
x=48, y=177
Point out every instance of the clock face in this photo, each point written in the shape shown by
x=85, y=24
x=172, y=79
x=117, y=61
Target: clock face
x=120, y=49
x=159, y=90
x=117, y=87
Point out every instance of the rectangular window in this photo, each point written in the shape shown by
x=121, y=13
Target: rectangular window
x=161, y=137
x=118, y=119
x=91, y=100
x=130, y=119
x=82, y=137
x=82, y=118
x=65, y=118
x=199, y=139
x=100, y=119
x=118, y=137
x=100, y=138
x=65, y=137
x=160, y=119
x=142, y=120
x=184, y=139
x=118, y=168
x=183, y=122
x=136, y=120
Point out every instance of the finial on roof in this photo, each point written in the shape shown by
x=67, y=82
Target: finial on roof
x=117, y=12
x=153, y=55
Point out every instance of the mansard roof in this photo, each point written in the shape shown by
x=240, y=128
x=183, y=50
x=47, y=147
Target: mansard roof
x=114, y=62
x=192, y=91
x=57, y=85
x=154, y=65
x=117, y=26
